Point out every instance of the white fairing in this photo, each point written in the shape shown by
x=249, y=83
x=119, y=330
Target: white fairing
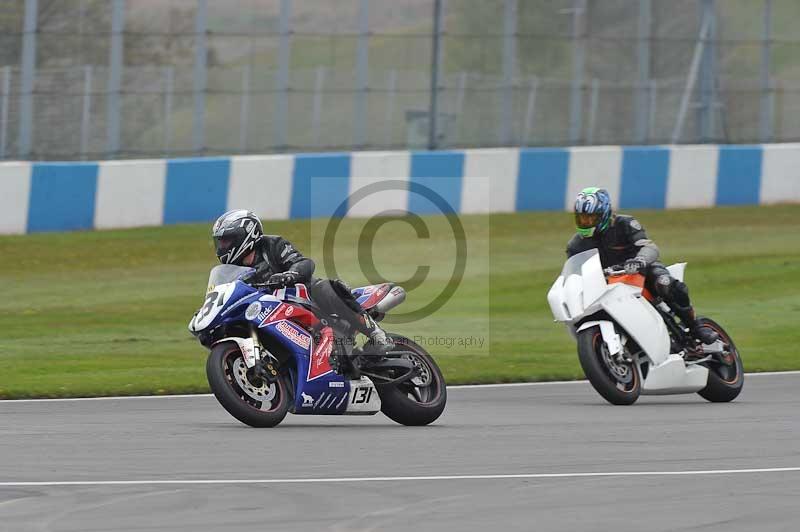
x=221, y=284
x=246, y=345
x=636, y=316
x=363, y=397
x=581, y=291
x=674, y=376
x=676, y=270
x=215, y=301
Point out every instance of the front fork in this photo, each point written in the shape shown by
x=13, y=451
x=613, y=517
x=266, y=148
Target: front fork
x=266, y=367
x=617, y=345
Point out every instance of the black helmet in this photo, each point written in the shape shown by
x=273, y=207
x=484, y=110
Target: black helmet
x=235, y=234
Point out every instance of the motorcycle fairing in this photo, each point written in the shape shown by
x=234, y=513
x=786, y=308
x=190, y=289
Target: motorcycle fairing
x=677, y=270
x=369, y=296
x=581, y=290
x=674, y=376
x=318, y=389
x=219, y=305
x=246, y=346
x=295, y=294
x=639, y=320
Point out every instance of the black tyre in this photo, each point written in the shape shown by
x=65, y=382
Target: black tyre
x=421, y=400
x=618, y=383
x=725, y=377
x=249, y=399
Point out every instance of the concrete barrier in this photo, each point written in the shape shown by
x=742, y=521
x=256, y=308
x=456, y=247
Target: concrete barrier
x=38, y=197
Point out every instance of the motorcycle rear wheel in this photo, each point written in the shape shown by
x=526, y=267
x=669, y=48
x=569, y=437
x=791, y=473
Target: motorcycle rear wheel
x=408, y=403
x=725, y=381
x=248, y=399
x=617, y=383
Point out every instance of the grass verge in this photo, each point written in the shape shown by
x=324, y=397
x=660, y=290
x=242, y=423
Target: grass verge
x=105, y=312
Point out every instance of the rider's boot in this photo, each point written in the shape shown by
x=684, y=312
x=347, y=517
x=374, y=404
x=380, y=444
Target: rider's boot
x=341, y=360
x=379, y=342
x=687, y=315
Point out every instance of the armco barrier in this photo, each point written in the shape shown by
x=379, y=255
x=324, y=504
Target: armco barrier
x=73, y=196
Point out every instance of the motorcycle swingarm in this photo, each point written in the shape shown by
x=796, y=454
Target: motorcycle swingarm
x=407, y=365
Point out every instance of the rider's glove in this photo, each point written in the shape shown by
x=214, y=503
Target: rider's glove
x=283, y=279
x=635, y=265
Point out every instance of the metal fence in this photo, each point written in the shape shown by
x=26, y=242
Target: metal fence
x=153, y=78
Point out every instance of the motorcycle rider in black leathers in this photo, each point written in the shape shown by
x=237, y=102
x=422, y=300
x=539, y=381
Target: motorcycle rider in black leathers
x=623, y=244
x=239, y=239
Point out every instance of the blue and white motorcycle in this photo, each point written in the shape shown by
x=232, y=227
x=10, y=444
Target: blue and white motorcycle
x=271, y=348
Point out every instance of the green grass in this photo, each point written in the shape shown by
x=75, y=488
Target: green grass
x=106, y=312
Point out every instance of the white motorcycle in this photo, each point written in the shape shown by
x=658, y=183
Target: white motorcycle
x=630, y=343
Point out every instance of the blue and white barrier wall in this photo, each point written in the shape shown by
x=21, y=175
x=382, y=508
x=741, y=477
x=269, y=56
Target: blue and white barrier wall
x=73, y=196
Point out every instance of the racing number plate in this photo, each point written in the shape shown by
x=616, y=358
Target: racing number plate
x=363, y=398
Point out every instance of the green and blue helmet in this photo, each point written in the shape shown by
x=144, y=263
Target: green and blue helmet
x=592, y=211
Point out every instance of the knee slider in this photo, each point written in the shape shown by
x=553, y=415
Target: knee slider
x=664, y=285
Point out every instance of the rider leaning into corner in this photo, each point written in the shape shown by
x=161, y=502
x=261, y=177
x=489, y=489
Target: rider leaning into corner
x=240, y=240
x=623, y=244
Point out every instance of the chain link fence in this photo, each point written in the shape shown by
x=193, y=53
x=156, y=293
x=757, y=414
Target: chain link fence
x=86, y=79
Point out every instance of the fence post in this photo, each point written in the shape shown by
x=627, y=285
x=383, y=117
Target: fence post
x=530, y=110
x=86, y=110
x=316, y=113
x=691, y=78
x=362, y=76
x=509, y=70
x=200, y=81
x=708, y=76
x=28, y=64
x=169, y=84
x=435, y=66
x=244, y=110
x=578, y=68
x=642, y=90
x=391, y=83
x=766, y=67
x=114, y=77
x=282, y=78
x=653, y=109
x=4, y=110
x=593, y=103
x=460, y=95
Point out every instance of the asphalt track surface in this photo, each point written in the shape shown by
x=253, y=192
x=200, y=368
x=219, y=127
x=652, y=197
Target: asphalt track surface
x=542, y=457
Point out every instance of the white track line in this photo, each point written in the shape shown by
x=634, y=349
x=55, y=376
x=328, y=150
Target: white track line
x=455, y=387
x=351, y=480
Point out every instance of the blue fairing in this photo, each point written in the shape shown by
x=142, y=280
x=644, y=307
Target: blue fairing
x=317, y=391
x=325, y=393
x=241, y=298
x=233, y=311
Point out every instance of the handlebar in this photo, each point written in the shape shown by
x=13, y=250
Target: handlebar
x=267, y=285
x=612, y=271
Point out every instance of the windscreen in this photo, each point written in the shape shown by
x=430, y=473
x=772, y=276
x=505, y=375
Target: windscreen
x=574, y=263
x=226, y=273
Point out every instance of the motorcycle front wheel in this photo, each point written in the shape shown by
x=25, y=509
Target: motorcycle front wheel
x=248, y=398
x=616, y=381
